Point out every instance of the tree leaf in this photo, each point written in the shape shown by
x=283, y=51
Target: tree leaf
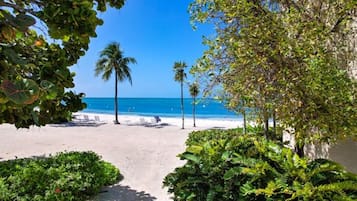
x=232, y=172
x=50, y=88
x=13, y=56
x=23, y=21
x=190, y=157
x=3, y=98
x=194, y=149
x=23, y=91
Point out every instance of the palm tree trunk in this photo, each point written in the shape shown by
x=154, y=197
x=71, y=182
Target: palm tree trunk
x=182, y=109
x=194, y=111
x=116, y=99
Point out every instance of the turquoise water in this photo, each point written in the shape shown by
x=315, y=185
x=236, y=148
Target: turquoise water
x=167, y=107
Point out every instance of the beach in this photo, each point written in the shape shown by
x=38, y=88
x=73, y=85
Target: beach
x=144, y=150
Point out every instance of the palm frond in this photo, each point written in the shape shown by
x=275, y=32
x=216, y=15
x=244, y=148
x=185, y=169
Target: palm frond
x=129, y=60
x=194, y=89
x=100, y=66
x=112, y=59
x=179, y=69
x=124, y=73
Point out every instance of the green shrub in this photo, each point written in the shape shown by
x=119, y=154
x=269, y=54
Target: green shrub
x=248, y=167
x=65, y=176
x=200, y=137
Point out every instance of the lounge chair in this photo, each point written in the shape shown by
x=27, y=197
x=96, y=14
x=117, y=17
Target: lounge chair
x=142, y=121
x=86, y=118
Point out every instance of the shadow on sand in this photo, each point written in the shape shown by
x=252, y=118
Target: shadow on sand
x=216, y=128
x=122, y=193
x=151, y=125
x=79, y=124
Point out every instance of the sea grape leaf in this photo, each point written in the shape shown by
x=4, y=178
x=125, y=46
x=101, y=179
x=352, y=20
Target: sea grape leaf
x=24, y=91
x=8, y=32
x=50, y=88
x=24, y=52
x=35, y=118
x=23, y=21
x=3, y=98
x=13, y=56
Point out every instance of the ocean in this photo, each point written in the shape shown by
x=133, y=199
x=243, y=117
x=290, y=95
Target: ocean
x=165, y=107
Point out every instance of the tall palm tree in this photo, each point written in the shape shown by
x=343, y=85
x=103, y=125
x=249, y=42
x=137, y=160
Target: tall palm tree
x=112, y=60
x=180, y=75
x=194, y=91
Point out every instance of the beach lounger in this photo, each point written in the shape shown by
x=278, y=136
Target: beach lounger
x=86, y=118
x=153, y=121
x=142, y=121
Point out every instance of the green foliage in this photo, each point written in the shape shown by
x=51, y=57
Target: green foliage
x=194, y=90
x=200, y=137
x=225, y=165
x=179, y=69
x=289, y=58
x=34, y=70
x=65, y=176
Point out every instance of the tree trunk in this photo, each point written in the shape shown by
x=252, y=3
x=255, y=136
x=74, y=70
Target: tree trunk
x=244, y=122
x=299, y=150
x=116, y=99
x=274, y=123
x=194, y=111
x=182, y=108
x=266, y=124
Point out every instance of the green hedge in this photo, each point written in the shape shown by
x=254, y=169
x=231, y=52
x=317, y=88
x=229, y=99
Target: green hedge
x=199, y=137
x=227, y=166
x=65, y=176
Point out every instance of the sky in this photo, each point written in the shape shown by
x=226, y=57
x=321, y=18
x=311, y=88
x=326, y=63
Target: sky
x=156, y=33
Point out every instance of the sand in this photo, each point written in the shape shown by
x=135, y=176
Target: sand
x=143, y=150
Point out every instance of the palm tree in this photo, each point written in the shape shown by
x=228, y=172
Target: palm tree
x=112, y=59
x=180, y=75
x=194, y=91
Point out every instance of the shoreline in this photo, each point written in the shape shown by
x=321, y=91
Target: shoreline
x=189, y=115
x=201, y=123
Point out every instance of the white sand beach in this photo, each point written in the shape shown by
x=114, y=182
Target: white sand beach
x=143, y=150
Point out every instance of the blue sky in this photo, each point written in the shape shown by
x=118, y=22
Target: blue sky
x=156, y=33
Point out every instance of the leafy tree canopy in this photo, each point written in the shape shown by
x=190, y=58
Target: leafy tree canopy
x=39, y=41
x=285, y=57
